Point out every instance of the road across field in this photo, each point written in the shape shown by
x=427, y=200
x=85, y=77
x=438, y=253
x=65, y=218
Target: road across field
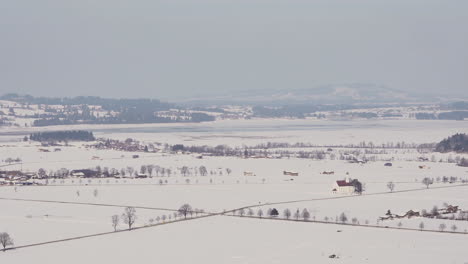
x=227, y=212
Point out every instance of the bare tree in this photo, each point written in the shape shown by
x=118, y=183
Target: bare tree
x=150, y=168
x=95, y=192
x=442, y=227
x=354, y=220
x=115, y=222
x=427, y=181
x=184, y=170
x=287, y=213
x=297, y=214
x=250, y=212
x=130, y=170
x=41, y=173
x=400, y=224
x=454, y=228
x=5, y=240
x=260, y=213
x=185, y=209
x=129, y=216
x=203, y=171
x=241, y=212
x=305, y=214
x=343, y=218
x=228, y=171
x=164, y=217
x=421, y=226
x=143, y=169
x=391, y=186
x=435, y=211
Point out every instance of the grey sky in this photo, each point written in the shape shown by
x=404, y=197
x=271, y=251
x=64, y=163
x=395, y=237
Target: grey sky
x=167, y=48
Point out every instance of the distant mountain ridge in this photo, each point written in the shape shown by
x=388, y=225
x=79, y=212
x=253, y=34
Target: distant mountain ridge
x=326, y=94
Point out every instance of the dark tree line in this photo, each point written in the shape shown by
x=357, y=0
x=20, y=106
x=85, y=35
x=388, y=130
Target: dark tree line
x=73, y=135
x=457, y=143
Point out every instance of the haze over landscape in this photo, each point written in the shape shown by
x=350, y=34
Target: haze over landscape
x=234, y=131
x=170, y=49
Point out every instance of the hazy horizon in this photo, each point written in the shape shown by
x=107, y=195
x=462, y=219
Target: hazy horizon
x=165, y=49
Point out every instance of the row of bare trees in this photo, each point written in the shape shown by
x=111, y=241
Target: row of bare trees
x=426, y=181
x=366, y=151
x=148, y=170
x=129, y=216
x=305, y=215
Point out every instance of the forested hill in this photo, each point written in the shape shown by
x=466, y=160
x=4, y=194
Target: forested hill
x=109, y=104
x=97, y=110
x=457, y=143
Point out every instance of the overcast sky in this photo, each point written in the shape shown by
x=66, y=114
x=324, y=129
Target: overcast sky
x=166, y=48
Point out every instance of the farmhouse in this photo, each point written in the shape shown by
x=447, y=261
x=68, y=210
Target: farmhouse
x=290, y=173
x=84, y=173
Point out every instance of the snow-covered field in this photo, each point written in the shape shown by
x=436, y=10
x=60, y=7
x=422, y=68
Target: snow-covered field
x=234, y=240
x=31, y=215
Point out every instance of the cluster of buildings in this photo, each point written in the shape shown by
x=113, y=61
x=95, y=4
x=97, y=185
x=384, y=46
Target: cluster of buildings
x=127, y=145
x=17, y=178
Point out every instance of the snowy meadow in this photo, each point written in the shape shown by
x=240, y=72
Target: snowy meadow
x=239, y=203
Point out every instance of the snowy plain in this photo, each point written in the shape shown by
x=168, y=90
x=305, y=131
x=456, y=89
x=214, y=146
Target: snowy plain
x=227, y=239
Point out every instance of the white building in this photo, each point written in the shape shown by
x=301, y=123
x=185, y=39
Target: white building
x=343, y=187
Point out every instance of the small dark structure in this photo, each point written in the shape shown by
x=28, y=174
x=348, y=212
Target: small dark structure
x=274, y=213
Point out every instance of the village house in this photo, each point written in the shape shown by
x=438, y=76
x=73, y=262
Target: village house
x=86, y=173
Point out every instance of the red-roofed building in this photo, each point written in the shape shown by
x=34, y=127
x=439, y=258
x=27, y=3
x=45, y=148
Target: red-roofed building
x=343, y=187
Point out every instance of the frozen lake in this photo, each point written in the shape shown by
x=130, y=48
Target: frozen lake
x=240, y=132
